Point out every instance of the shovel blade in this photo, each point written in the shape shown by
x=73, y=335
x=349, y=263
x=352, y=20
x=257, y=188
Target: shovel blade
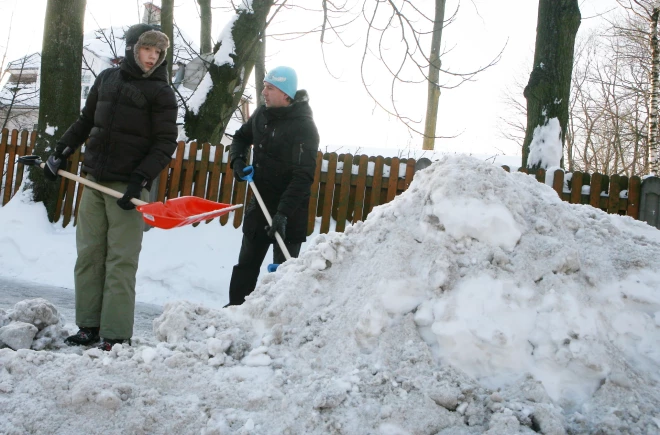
x=181, y=211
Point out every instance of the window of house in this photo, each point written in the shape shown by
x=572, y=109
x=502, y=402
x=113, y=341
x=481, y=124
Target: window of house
x=22, y=77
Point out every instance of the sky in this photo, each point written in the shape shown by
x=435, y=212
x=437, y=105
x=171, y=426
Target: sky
x=469, y=114
x=475, y=302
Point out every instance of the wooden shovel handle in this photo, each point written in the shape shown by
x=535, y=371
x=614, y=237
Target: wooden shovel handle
x=94, y=185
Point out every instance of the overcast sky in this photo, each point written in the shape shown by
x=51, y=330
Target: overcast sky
x=343, y=111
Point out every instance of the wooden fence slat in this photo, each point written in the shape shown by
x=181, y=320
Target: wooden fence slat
x=33, y=141
x=576, y=188
x=216, y=169
x=162, y=184
x=634, y=193
x=376, y=184
x=344, y=193
x=60, y=198
x=4, y=139
x=594, y=194
x=360, y=188
x=21, y=150
x=314, y=195
x=226, y=192
x=189, y=165
x=202, y=171
x=71, y=188
x=410, y=173
x=240, y=197
x=615, y=190
x=540, y=175
x=241, y=194
x=328, y=193
x=9, y=180
x=558, y=182
x=393, y=180
x=177, y=166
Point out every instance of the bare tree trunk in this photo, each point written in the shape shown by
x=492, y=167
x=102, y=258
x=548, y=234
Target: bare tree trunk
x=59, y=105
x=434, y=76
x=206, y=19
x=167, y=27
x=548, y=89
x=208, y=122
x=655, y=83
x=260, y=69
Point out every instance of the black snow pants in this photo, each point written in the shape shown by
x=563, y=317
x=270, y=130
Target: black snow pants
x=253, y=252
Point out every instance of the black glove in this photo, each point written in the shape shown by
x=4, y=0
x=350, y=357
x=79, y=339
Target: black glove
x=279, y=225
x=133, y=190
x=55, y=162
x=238, y=165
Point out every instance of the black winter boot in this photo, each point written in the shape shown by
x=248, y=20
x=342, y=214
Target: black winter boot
x=83, y=337
x=107, y=343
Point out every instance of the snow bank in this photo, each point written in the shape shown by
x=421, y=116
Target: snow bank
x=476, y=302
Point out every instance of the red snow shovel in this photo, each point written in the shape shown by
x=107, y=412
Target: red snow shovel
x=173, y=213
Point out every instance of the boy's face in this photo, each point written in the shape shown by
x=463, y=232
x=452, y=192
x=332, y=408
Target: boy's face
x=148, y=56
x=274, y=97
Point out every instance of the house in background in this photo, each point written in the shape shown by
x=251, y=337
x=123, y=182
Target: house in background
x=102, y=48
x=19, y=93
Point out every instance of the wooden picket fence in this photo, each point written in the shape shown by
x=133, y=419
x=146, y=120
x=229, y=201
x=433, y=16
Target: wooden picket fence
x=203, y=171
x=604, y=191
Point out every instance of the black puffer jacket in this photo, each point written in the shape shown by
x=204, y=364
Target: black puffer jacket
x=130, y=121
x=286, y=142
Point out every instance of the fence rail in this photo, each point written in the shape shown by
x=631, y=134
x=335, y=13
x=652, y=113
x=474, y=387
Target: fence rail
x=345, y=188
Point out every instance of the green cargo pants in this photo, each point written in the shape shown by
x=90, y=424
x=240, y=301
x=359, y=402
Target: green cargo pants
x=108, y=241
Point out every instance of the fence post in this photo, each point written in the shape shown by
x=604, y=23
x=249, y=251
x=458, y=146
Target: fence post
x=649, y=207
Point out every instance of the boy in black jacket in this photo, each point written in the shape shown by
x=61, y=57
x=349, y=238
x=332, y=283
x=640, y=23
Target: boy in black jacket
x=130, y=120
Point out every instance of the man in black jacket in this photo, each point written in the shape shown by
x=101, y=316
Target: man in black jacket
x=130, y=120
x=286, y=142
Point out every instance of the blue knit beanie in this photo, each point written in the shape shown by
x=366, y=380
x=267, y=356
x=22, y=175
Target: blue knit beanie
x=283, y=78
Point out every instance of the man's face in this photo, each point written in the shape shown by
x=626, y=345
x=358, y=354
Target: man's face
x=148, y=56
x=274, y=97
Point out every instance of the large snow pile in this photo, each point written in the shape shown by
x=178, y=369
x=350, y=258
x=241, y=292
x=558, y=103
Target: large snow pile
x=476, y=302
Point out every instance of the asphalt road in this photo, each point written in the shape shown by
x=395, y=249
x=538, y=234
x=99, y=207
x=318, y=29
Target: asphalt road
x=13, y=291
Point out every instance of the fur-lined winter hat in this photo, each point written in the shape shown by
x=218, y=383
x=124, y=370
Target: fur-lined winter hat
x=145, y=35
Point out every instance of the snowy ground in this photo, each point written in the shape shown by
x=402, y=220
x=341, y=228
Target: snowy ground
x=476, y=302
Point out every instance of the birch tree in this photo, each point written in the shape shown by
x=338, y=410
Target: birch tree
x=648, y=11
x=59, y=105
x=548, y=89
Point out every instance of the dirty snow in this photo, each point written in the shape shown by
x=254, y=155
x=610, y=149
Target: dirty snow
x=476, y=302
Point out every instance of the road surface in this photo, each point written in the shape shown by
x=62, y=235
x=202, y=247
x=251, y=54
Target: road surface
x=13, y=291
